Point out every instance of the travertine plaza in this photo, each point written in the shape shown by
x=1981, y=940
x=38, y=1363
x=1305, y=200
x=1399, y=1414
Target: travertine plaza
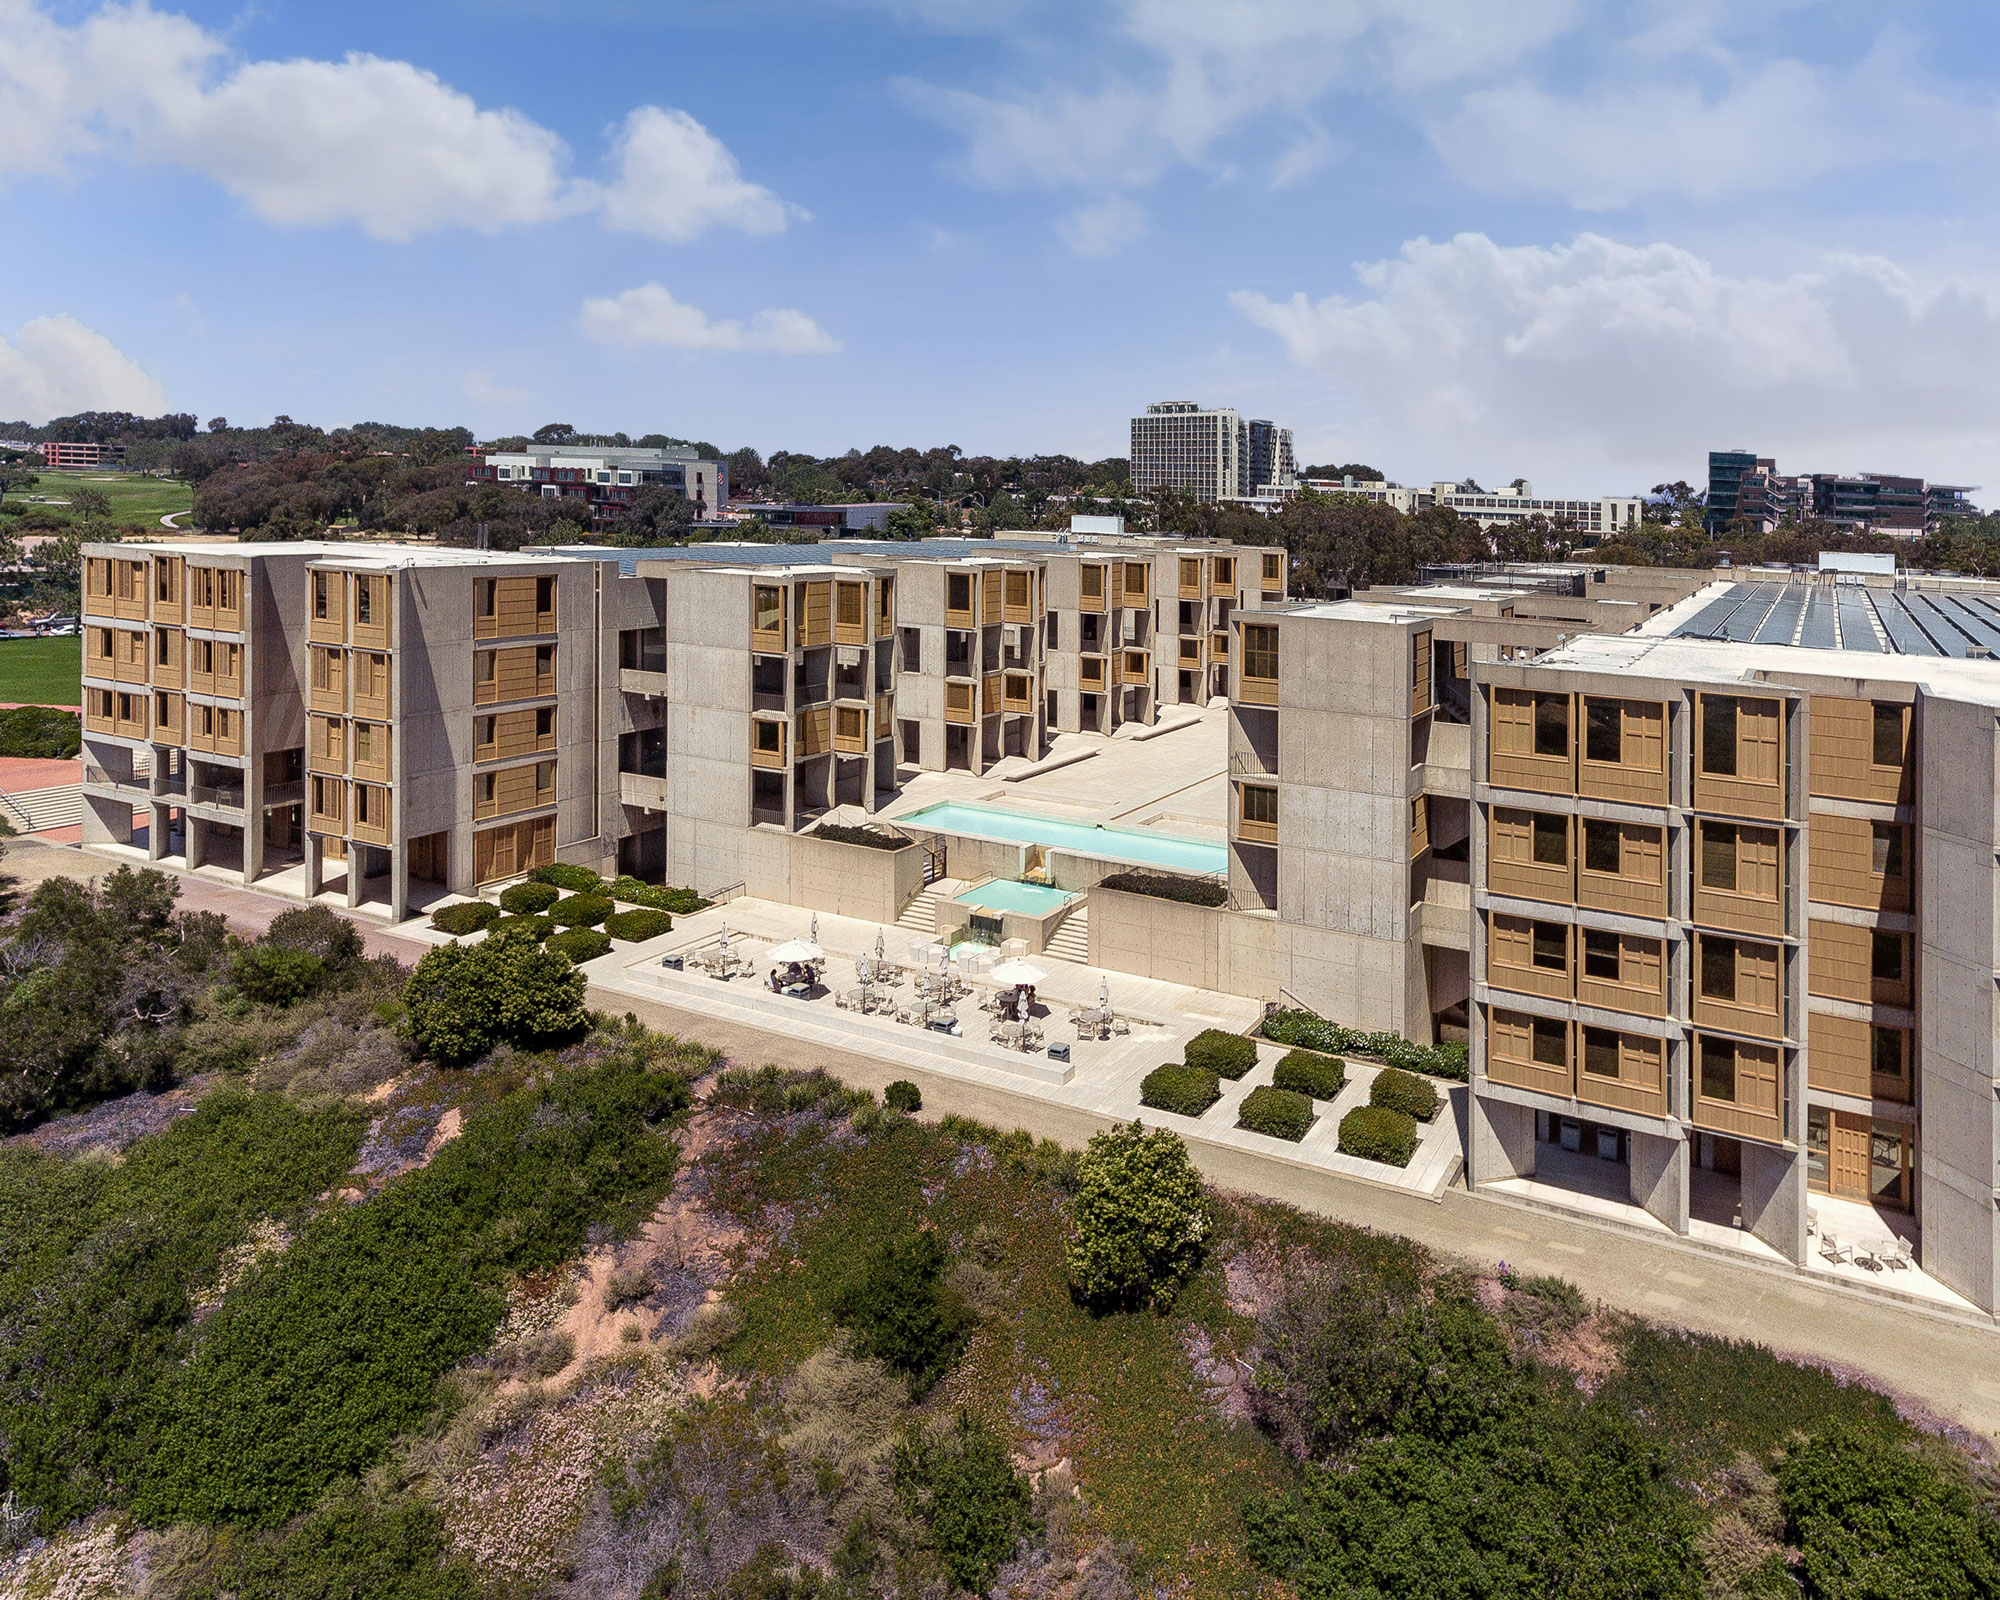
x=1703, y=870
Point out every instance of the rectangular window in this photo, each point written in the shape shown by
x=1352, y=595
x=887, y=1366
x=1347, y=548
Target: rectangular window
x=1551, y=840
x=1888, y=736
x=545, y=594
x=1600, y=955
x=1551, y=725
x=1260, y=652
x=1260, y=805
x=1718, y=736
x=1886, y=956
x=319, y=597
x=770, y=737
x=767, y=608
x=1551, y=1043
x=1718, y=968
x=1600, y=846
x=486, y=590
x=483, y=671
x=545, y=660
x=1603, y=734
x=1600, y=1052
x=1886, y=1056
x=958, y=591
x=545, y=722
x=1718, y=856
x=364, y=600
x=1718, y=1069
x=1551, y=946
x=1888, y=853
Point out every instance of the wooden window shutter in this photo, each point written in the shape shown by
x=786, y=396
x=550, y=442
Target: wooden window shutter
x=1757, y=862
x=1757, y=1078
x=1644, y=737
x=1757, y=734
x=1513, y=722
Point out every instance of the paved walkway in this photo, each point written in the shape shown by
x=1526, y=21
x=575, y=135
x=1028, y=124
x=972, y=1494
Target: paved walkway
x=1948, y=1364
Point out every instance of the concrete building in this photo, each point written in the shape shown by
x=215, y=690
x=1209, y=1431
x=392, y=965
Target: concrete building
x=68, y=457
x=1744, y=486
x=822, y=522
x=1602, y=518
x=601, y=480
x=1211, y=455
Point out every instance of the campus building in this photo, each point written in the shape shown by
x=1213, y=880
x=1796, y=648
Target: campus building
x=599, y=482
x=63, y=456
x=1606, y=517
x=1746, y=487
x=1210, y=455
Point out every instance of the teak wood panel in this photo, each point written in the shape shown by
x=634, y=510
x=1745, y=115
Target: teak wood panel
x=813, y=731
x=506, y=734
x=511, y=608
x=1756, y=904
x=1420, y=672
x=169, y=589
x=1756, y=788
x=215, y=729
x=1091, y=586
x=372, y=696
x=169, y=658
x=1755, y=1111
x=1511, y=867
x=373, y=754
x=215, y=598
x=1841, y=1059
x=326, y=744
x=169, y=718
x=327, y=679
x=960, y=702
x=97, y=710
x=1639, y=887
x=522, y=788
x=850, y=612
x=369, y=822
x=1756, y=1006
x=1627, y=1071
x=1512, y=760
x=327, y=797
x=1640, y=983
x=326, y=608
x=131, y=718
x=1510, y=1054
x=815, y=613
x=515, y=674
x=1843, y=741
x=1841, y=855
x=513, y=848
x=369, y=626
x=1639, y=774
x=1510, y=957
x=1840, y=965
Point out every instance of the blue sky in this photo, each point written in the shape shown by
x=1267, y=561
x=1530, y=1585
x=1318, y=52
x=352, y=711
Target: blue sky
x=1574, y=241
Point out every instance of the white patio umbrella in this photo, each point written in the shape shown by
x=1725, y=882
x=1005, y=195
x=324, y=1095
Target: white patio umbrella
x=1017, y=974
x=879, y=946
x=814, y=934
x=793, y=950
x=1104, y=993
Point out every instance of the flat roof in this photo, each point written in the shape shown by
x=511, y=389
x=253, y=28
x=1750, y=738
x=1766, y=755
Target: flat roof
x=358, y=553
x=1701, y=660
x=1959, y=623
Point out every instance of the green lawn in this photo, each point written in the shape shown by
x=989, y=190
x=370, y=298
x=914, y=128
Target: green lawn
x=46, y=672
x=135, y=498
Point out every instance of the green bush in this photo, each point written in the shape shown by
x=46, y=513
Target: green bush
x=1309, y=1073
x=40, y=733
x=464, y=999
x=1227, y=1055
x=1167, y=886
x=869, y=838
x=1186, y=1091
x=343, y=1549
x=903, y=1095
x=534, y=929
x=576, y=880
x=330, y=1350
x=632, y=891
x=1281, y=1113
x=901, y=1311
x=636, y=927
x=525, y=899
x=275, y=977
x=467, y=916
x=1377, y=1133
x=963, y=1491
x=1310, y=1032
x=1404, y=1091
x=1141, y=1218
x=581, y=911
x=580, y=945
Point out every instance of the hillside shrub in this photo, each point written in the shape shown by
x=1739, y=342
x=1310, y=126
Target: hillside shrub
x=467, y=916
x=1227, y=1055
x=1309, y=1073
x=632, y=891
x=902, y=1312
x=341, y=1550
x=581, y=911
x=636, y=927
x=40, y=733
x=329, y=1350
x=1311, y=1032
x=463, y=999
x=317, y=931
x=274, y=977
x=868, y=838
x=1169, y=886
x=1405, y=1092
x=1141, y=1218
x=1379, y=1133
x=1184, y=1090
x=904, y=1096
x=572, y=879
x=525, y=899
x=580, y=945
x=961, y=1488
x=1281, y=1113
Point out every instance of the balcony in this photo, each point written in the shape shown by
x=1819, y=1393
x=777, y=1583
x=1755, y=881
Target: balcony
x=96, y=777
x=285, y=794
x=641, y=789
x=223, y=797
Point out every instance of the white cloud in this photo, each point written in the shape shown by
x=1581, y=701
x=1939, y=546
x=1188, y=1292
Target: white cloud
x=1630, y=362
x=56, y=366
x=650, y=315
x=382, y=144
x=482, y=388
x=1103, y=230
x=1308, y=153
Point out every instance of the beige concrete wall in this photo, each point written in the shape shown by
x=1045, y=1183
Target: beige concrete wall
x=1206, y=947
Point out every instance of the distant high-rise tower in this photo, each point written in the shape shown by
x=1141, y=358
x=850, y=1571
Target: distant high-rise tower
x=1268, y=463
x=1177, y=445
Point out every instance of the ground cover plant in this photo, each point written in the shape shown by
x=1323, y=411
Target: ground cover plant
x=655, y=897
x=636, y=927
x=40, y=732
x=572, y=879
x=1310, y=1032
x=868, y=838
x=42, y=672
x=1167, y=886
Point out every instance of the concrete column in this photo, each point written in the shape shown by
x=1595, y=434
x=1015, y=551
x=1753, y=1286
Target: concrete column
x=158, y=826
x=315, y=866
x=399, y=884
x=253, y=822
x=1660, y=1177
x=1501, y=1142
x=1774, y=1198
x=197, y=839
x=354, y=873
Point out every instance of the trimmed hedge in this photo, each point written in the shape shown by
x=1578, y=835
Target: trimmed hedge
x=1227, y=1055
x=537, y=928
x=581, y=910
x=903, y=1095
x=1281, y=1113
x=525, y=899
x=1308, y=1073
x=638, y=926
x=1185, y=1090
x=468, y=916
x=631, y=891
x=867, y=837
x=1405, y=1092
x=1311, y=1032
x=580, y=945
x=1168, y=886
x=577, y=880
x=1377, y=1133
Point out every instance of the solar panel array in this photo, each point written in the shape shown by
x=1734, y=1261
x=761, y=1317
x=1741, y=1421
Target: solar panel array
x=1913, y=622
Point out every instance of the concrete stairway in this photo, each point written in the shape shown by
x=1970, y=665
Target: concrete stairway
x=35, y=810
x=920, y=915
x=1071, y=941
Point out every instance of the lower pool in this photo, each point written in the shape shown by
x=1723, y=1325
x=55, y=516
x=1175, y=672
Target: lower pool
x=1009, y=894
x=1141, y=847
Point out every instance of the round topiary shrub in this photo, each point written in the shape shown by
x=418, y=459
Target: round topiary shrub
x=577, y=880
x=1227, y=1055
x=525, y=899
x=468, y=916
x=580, y=945
x=1405, y=1092
x=1281, y=1113
x=580, y=910
x=1185, y=1090
x=1376, y=1133
x=536, y=928
x=903, y=1095
x=1308, y=1073
x=636, y=927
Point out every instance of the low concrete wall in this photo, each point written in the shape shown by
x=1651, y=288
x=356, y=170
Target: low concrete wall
x=1072, y=870
x=1205, y=947
x=1035, y=929
x=845, y=880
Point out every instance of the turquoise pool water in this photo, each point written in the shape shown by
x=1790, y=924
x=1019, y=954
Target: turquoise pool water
x=1004, y=894
x=1113, y=844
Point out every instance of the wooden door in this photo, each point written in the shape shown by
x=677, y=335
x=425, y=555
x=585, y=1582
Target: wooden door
x=1847, y=1155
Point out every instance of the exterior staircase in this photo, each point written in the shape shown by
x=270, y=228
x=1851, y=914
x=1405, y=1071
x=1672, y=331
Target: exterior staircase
x=36, y=810
x=920, y=915
x=1071, y=940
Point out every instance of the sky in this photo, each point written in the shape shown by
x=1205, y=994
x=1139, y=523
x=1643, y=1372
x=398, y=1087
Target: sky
x=1577, y=241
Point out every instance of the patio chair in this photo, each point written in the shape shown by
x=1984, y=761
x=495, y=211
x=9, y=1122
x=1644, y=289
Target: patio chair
x=1903, y=1257
x=1831, y=1247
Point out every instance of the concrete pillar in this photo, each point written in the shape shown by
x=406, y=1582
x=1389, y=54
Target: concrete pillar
x=399, y=884
x=253, y=824
x=315, y=866
x=159, y=825
x=354, y=873
x=106, y=821
x=1774, y=1198
x=1660, y=1177
x=1501, y=1142
x=197, y=839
